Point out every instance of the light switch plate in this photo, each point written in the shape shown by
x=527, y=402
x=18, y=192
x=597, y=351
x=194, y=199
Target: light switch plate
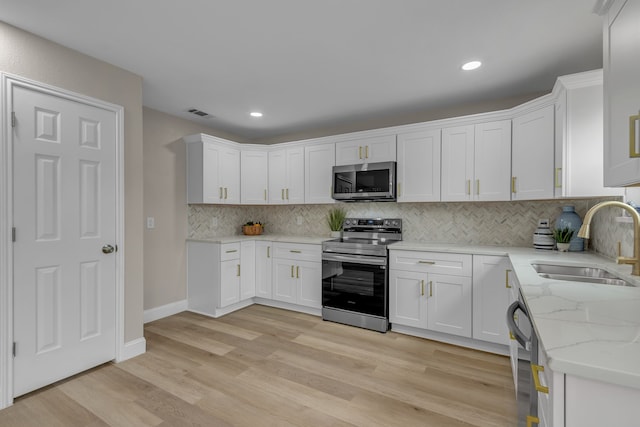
x=151, y=223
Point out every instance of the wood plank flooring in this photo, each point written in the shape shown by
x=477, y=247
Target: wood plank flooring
x=263, y=366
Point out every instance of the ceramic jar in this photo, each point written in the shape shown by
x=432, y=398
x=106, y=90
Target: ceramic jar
x=571, y=220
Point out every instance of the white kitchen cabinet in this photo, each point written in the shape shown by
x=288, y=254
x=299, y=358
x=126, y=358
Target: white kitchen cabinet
x=421, y=296
x=622, y=94
x=367, y=150
x=579, y=137
x=318, y=163
x=213, y=276
x=297, y=274
x=418, y=169
x=476, y=162
x=263, y=267
x=247, y=269
x=213, y=170
x=532, y=154
x=254, y=176
x=491, y=298
x=286, y=176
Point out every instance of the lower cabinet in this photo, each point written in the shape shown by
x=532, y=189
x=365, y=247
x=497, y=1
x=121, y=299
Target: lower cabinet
x=491, y=298
x=421, y=297
x=263, y=266
x=297, y=274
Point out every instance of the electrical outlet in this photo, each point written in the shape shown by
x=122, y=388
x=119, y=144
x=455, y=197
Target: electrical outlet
x=151, y=223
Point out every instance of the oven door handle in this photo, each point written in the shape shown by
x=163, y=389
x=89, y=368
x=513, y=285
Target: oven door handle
x=522, y=339
x=356, y=259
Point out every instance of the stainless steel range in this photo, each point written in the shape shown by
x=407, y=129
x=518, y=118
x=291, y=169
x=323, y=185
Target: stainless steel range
x=355, y=279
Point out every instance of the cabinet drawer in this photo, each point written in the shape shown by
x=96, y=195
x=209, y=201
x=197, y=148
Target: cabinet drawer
x=297, y=251
x=229, y=251
x=431, y=262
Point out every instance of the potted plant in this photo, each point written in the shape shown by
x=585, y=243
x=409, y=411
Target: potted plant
x=335, y=217
x=563, y=237
x=252, y=228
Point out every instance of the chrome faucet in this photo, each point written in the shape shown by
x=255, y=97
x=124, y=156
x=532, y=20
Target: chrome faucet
x=635, y=260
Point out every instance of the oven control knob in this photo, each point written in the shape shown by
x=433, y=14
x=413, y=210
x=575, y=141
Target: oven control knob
x=395, y=223
x=347, y=222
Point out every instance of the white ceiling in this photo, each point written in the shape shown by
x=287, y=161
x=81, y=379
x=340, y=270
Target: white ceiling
x=310, y=65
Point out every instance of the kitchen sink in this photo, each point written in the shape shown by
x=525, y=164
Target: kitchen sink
x=576, y=273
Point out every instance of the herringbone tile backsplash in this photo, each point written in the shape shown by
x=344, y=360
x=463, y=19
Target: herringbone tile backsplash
x=479, y=223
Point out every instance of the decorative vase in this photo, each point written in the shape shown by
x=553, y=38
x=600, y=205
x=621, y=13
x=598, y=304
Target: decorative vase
x=571, y=220
x=563, y=247
x=543, y=237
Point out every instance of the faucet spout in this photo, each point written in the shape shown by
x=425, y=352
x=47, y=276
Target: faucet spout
x=585, y=231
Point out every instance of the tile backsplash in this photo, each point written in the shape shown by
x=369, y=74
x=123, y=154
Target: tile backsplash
x=481, y=223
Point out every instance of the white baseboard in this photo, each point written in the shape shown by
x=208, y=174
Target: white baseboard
x=132, y=349
x=164, y=311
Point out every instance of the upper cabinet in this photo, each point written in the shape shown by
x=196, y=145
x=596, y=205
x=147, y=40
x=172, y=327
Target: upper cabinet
x=254, y=175
x=286, y=176
x=622, y=94
x=318, y=163
x=579, y=137
x=476, y=163
x=418, y=172
x=366, y=150
x=213, y=170
x=532, y=154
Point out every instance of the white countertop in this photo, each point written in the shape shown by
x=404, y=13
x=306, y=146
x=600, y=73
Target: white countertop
x=314, y=240
x=587, y=330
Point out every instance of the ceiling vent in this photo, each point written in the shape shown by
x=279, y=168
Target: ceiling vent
x=200, y=113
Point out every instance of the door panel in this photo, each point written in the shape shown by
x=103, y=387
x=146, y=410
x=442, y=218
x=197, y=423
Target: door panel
x=64, y=212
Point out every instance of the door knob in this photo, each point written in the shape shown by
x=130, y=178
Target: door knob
x=108, y=249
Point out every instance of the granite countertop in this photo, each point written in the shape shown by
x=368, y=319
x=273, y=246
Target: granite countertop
x=587, y=330
x=314, y=240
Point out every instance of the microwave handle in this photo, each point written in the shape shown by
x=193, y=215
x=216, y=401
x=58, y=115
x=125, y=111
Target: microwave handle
x=522, y=339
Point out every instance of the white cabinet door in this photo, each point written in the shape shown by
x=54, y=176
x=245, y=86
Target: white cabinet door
x=532, y=155
x=229, y=170
x=309, y=283
x=213, y=171
x=622, y=94
x=212, y=189
x=229, y=282
x=247, y=270
x=295, y=175
x=491, y=298
x=419, y=166
x=277, y=176
x=263, y=269
x=318, y=164
x=366, y=150
x=284, y=280
x=286, y=176
x=492, y=161
x=457, y=163
x=449, y=304
x=408, y=298
x=254, y=175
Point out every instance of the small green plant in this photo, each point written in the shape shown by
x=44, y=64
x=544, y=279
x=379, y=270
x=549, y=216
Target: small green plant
x=335, y=217
x=563, y=235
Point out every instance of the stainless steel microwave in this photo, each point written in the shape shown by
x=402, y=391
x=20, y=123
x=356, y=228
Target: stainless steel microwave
x=365, y=182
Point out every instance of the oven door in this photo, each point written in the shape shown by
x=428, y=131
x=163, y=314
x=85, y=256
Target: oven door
x=355, y=283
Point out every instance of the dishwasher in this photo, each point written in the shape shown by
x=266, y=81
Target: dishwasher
x=519, y=323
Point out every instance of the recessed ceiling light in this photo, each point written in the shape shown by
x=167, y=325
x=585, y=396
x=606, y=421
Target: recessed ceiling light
x=256, y=114
x=472, y=65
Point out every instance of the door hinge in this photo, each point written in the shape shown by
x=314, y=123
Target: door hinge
x=14, y=349
x=13, y=234
x=13, y=119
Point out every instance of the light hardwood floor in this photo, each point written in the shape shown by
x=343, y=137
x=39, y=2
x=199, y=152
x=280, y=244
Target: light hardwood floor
x=262, y=366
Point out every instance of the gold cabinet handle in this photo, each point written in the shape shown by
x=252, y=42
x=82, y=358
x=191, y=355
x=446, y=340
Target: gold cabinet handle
x=513, y=184
x=366, y=152
x=282, y=194
x=426, y=262
x=399, y=189
x=558, y=184
x=360, y=153
x=478, y=187
x=531, y=420
x=469, y=187
x=535, y=371
x=506, y=279
x=632, y=136
x=268, y=251
x=292, y=271
x=230, y=251
x=295, y=251
x=287, y=192
x=238, y=270
x=297, y=272
x=220, y=193
x=422, y=287
x=513, y=337
x=225, y=193
x=265, y=194
x=430, y=288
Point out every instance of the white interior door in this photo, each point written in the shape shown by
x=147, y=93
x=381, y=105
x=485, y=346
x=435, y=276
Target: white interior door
x=64, y=213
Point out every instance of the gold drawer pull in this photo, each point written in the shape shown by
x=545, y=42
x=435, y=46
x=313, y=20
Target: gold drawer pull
x=513, y=337
x=506, y=279
x=535, y=370
x=295, y=251
x=231, y=251
x=426, y=262
x=632, y=136
x=532, y=420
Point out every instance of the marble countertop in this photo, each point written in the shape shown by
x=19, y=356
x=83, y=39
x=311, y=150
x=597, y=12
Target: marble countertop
x=588, y=330
x=314, y=240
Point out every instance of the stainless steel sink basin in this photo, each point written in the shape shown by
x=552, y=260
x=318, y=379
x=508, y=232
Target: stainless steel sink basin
x=576, y=273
